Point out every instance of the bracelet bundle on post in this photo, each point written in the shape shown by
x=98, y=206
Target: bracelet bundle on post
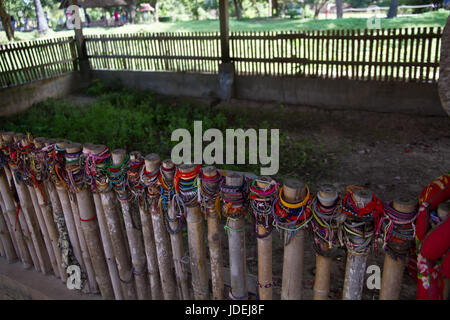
x=291, y=216
x=325, y=223
x=397, y=230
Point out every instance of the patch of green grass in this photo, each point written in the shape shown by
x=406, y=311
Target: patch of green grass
x=428, y=19
x=143, y=121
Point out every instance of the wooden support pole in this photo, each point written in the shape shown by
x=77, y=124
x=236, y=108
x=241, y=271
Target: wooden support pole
x=292, y=279
x=135, y=242
x=214, y=238
x=8, y=247
x=236, y=243
x=355, y=268
x=72, y=218
x=45, y=203
x=152, y=162
x=45, y=219
x=91, y=233
x=175, y=231
x=106, y=239
x=197, y=246
x=443, y=212
x=224, y=31
x=391, y=281
x=28, y=224
x=264, y=245
x=328, y=195
x=119, y=244
x=147, y=234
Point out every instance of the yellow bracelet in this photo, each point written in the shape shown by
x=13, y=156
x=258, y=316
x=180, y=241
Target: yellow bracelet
x=295, y=205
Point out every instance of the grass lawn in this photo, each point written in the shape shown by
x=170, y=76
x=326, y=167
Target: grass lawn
x=429, y=19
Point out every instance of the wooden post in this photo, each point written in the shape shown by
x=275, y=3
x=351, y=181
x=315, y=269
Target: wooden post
x=152, y=162
x=134, y=236
x=355, y=268
x=391, y=281
x=264, y=243
x=328, y=195
x=47, y=207
x=39, y=249
x=10, y=209
x=119, y=244
x=45, y=218
x=236, y=243
x=214, y=237
x=292, y=279
x=8, y=248
x=174, y=227
x=87, y=220
x=138, y=190
x=106, y=239
x=71, y=218
x=196, y=241
x=224, y=31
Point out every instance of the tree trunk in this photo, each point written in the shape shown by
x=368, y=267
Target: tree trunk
x=6, y=22
x=133, y=11
x=41, y=21
x=338, y=9
x=444, y=69
x=238, y=8
x=275, y=11
x=154, y=4
x=318, y=7
x=392, y=13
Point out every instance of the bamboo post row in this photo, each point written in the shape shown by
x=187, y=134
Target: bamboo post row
x=236, y=243
x=61, y=192
x=214, y=236
x=27, y=221
x=88, y=224
x=130, y=218
x=114, y=223
x=196, y=241
x=292, y=279
x=355, y=268
x=328, y=195
x=174, y=225
x=147, y=228
x=45, y=217
x=49, y=202
x=91, y=277
x=391, y=280
x=152, y=163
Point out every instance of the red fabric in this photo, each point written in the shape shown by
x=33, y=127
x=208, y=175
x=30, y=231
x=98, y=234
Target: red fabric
x=433, y=261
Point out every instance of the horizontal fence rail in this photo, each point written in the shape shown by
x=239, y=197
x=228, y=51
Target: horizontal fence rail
x=186, y=52
x=382, y=55
x=24, y=62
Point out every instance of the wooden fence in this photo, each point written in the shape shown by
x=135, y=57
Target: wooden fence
x=383, y=55
x=24, y=62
